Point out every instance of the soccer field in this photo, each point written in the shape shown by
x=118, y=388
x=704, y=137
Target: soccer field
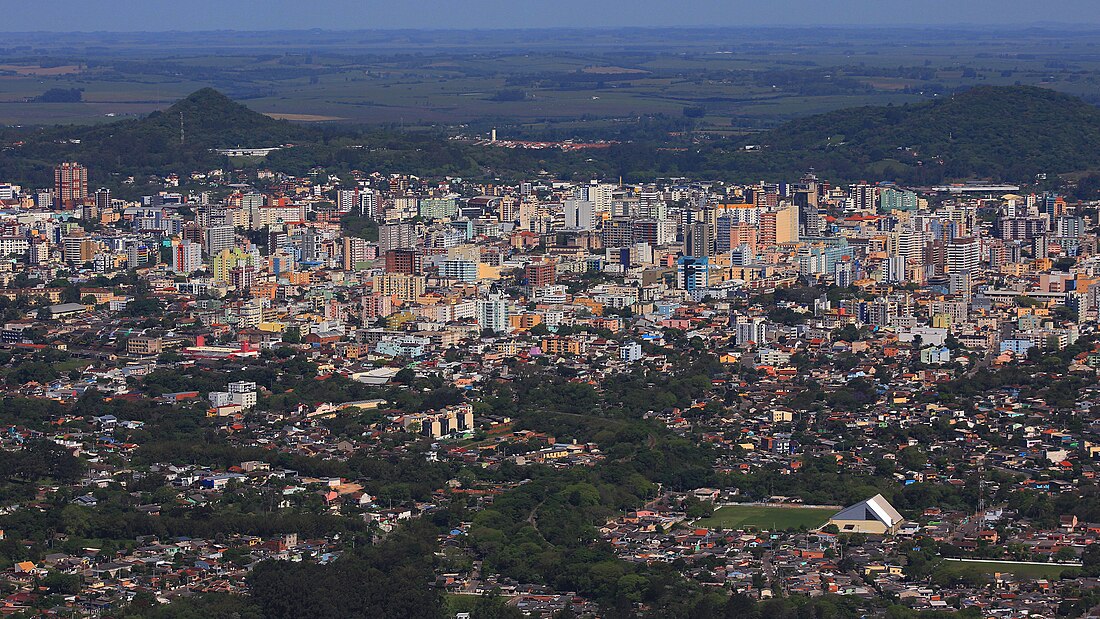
x=1023, y=570
x=766, y=518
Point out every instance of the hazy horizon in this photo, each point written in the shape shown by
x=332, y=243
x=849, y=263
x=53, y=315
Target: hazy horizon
x=66, y=16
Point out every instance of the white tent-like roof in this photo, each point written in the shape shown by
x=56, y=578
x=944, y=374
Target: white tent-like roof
x=874, y=508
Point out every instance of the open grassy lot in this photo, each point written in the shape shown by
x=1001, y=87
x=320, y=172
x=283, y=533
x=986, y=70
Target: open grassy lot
x=962, y=568
x=460, y=603
x=764, y=517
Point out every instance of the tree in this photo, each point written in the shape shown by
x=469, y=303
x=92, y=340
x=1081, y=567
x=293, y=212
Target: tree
x=64, y=584
x=292, y=335
x=1065, y=554
x=1090, y=558
x=76, y=520
x=912, y=458
x=405, y=376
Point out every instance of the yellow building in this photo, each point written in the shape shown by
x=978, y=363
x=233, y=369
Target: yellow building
x=523, y=322
x=228, y=259
x=401, y=285
x=560, y=346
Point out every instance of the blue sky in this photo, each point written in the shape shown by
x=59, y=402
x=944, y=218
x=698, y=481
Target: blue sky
x=152, y=15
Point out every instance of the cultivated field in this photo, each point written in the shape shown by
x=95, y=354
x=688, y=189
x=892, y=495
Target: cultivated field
x=732, y=80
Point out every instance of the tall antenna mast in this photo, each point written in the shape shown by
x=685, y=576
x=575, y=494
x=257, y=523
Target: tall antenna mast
x=181, y=127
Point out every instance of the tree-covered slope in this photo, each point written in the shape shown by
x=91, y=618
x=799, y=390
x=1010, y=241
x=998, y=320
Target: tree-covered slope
x=999, y=133
x=1007, y=133
x=154, y=144
x=211, y=120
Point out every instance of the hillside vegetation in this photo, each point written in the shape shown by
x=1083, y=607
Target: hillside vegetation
x=996, y=133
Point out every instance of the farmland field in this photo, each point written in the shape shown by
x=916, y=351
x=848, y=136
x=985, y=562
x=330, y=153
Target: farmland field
x=764, y=517
x=523, y=82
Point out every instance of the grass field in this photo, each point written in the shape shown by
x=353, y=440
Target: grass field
x=460, y=603
x=457, y=603
x=962, y=568
x=767, y=518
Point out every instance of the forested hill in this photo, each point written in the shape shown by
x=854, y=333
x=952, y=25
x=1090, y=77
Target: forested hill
x=1007, y=133
x=154, y=144
x=213, y=120
x=998, y=133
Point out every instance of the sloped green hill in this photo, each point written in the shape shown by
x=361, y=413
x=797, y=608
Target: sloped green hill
x=996, y=132
x=153, y=145
x=212, y=120
x=999, y=133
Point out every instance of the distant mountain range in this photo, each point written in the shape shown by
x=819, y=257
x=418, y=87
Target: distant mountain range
x=999, y=133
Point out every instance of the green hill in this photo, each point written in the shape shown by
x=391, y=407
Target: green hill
x=1000, y=133
x=211, y=120
x=1008, y=133
x=153, y=145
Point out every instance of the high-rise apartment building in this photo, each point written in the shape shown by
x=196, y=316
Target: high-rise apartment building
x=963, y=255
x=103, y=199
x=492, y=313
x=405, y=287
x=186, y=257
x=355, y=252
x=580, y=214
x=70, y=184
x=368, y=203
x=219, y=238
x=731, y=234
x=617, y=232
x=700, y=240
x=399, y=235
x=539, y=274
x=406, y=261
x=78, y=249
x=865, y=197
x=779, y=227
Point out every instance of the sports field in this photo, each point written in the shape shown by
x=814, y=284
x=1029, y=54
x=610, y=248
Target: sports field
x=1025, y=570
x=765, y=518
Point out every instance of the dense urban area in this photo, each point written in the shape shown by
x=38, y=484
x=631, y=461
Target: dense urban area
x=238, y=382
